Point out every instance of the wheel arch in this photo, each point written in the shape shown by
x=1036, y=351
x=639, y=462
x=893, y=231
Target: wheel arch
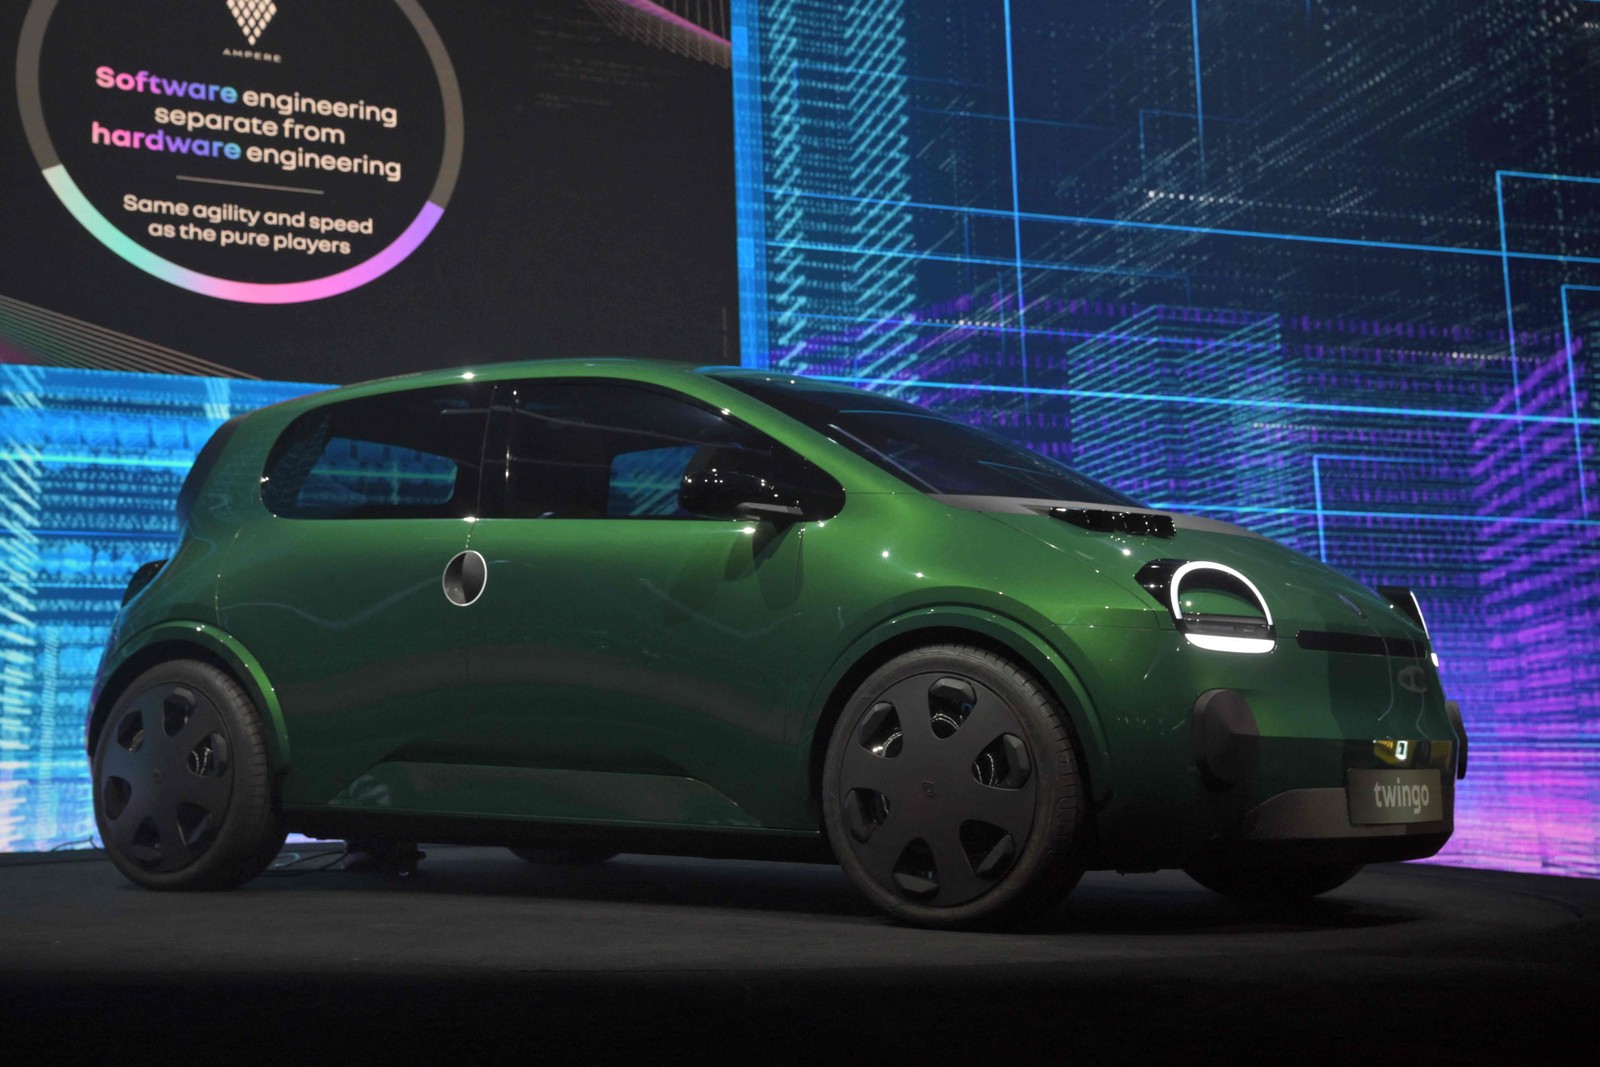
x=957, y=625
x=193, y=640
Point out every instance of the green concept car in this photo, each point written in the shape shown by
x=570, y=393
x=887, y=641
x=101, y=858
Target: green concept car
x=581, y=608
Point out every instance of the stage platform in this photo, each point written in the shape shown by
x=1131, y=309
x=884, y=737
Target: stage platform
x=481, y=957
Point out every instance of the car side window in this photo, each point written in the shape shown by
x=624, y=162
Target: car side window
x=411, y=455
x=592, y=449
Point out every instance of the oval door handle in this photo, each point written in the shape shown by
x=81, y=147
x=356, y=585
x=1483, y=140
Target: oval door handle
x=464, y=578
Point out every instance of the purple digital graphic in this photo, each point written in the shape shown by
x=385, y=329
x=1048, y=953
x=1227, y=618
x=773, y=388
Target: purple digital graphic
x=1182, y=249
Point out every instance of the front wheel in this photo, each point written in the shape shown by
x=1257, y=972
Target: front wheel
x=183, y=783
x=950, y=790
x=1282, y=884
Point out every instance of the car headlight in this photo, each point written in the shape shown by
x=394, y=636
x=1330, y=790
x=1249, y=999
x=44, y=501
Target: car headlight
x=1214, y=606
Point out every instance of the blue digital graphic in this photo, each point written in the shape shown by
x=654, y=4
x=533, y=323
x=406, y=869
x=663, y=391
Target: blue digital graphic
x=90, y=465
x=1330, y=270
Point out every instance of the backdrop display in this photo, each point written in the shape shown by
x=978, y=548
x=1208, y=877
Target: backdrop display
x=1327, y=269
x=90, y=465
x=342, y=191
x=307, y=174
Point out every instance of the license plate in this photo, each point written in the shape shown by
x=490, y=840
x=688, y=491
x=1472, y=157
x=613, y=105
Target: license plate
x=1383, y=797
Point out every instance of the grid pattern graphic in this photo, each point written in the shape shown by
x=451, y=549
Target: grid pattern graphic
x=90, y=465
x=1322, y=268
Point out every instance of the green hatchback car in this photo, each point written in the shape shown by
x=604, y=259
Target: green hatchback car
x=581, y=608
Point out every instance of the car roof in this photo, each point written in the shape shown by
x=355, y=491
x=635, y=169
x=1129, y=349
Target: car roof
x=633, y=369
x=653, y=371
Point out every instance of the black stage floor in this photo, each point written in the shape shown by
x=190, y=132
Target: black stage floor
x=481, y=957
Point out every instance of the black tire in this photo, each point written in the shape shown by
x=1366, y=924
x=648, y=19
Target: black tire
x=183, y=789
x=988, y=798
x=569, y=855
x=1280, y=884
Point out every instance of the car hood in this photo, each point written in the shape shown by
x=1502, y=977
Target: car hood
x=1302, y=593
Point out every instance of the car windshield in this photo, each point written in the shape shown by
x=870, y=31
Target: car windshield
x=936, y=454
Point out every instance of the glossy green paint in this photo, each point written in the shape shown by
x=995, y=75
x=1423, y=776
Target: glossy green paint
x=349, y=620
x=676, y=672
x=639, y=647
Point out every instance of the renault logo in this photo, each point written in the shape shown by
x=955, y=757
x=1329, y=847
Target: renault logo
x=1413, y=680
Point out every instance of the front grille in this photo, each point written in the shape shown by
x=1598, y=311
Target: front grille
x=1361, y=644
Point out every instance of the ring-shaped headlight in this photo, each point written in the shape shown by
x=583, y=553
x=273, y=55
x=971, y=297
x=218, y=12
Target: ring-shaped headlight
x=1218, y=630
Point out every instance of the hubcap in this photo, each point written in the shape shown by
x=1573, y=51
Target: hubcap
x=165, y=778
x=937, y=789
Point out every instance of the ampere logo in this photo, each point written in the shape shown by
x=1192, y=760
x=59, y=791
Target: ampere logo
x=252, y=17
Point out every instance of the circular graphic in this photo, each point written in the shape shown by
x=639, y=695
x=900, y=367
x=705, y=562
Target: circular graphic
x=244, y=149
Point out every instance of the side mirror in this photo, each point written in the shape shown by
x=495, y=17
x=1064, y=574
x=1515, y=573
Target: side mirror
x=738, y=483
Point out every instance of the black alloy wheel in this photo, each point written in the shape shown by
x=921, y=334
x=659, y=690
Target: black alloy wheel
x=182, y=781
x=950, y=791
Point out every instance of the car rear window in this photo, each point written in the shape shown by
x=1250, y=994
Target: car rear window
x=412, y=455
x=931, y=452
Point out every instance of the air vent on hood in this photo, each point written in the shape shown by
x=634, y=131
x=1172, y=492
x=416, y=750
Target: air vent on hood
x=1107, y=520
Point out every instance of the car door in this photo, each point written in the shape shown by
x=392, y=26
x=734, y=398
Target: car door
x=340, y=590
x=628, y=656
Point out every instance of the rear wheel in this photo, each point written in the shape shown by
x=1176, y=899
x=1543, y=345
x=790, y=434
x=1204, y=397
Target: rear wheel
x=183, y=783
x=950, y=790
x=1275, y=883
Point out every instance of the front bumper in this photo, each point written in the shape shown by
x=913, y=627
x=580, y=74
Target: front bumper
x=1235, y=759
x=1313, y=827
x=1409, y=815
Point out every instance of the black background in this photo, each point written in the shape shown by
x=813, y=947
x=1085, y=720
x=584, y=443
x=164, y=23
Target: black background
x=594, y=216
